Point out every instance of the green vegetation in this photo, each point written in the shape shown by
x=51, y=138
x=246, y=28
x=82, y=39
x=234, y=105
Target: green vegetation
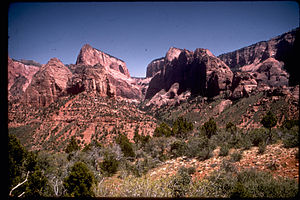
x=79, y=182
x=123, y=169
x=210, y=128
x=162, y=130
x=72, y=146
x=109, y=166
x=125, y=145
x=23, y=171
x=269, y=121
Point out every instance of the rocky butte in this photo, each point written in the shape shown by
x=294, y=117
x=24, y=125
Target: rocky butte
x=200, y=72
x=19, y=77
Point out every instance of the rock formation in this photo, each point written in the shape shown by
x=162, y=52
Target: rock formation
x=157, y=64
x=279, y=52
x=90, y=79
x=48, y=84
x=200, y=72
x=19, y=77
x=91, y=56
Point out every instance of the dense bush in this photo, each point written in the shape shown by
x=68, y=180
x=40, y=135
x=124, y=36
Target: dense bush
x=199, y=147
x=236, y=156
x=291, y=137
x=178, y=148
x=247, y=183
x=125, y=145
x=181, y=127
x=288, y=124
x=23, y=166
x=162, y=130
x=72, y=146
x=210, y=128
x=224, y=150
x=79, y=182
x=109, y=165
x=180, y=183
x=269, y=121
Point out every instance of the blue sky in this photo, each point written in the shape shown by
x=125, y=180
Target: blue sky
x=139, y=32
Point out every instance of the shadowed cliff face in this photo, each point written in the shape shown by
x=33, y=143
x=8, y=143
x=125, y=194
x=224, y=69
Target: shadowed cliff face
x=200, y=72
x=281, y=48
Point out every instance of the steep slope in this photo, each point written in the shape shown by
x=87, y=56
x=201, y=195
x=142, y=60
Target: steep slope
x=282, y=49
x=157, y=64
x=87, y=116
x=200, y=72
x=19, y=77
x=91, y=56
x=48, y=84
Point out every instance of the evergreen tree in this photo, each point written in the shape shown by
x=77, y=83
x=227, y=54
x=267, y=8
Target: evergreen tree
x=210, y=128
x=72, y=146
x=269, y=121
x=80, y=181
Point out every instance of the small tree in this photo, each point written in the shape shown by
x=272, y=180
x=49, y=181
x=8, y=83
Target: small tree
x=110, y=165
x=162, y=130
x=80, y=181
x=125, y=145
x=181, y=127
x=72, y=146
x=210, y=128
x=269, y=121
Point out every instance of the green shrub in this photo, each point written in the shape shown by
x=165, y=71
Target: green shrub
x=291, y=137
x=236, y=156
x=247, y=183
x=224, y=150
x=210, y=128
x=269, y=121
x=72, y=146
x=162, y=130
x=230, y=127
x=288, y=124
x=109, y=165
x=199, y=147
x=262, y=147
x=181, y=182
x=258, y=136
x=80, y=181
x=125, y=145
x=178, y=148
x=181, y=127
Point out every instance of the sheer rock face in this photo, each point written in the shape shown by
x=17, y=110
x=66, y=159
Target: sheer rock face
x=269, y=60
x=157, y=64
x=48, y=84
x=91, y=56
x=19, y=77
x=90, y=79
x=200, y=72
x=260, y=51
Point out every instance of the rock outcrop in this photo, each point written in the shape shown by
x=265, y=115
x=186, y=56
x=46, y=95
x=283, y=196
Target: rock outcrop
x=275, y=54
x=199, y=72
x=157, y=64
x=19, y=77
x=91, y=56
x=90, y=79
x=48, y=84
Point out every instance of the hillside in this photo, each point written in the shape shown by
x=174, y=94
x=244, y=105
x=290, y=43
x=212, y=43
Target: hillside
x=197, y=126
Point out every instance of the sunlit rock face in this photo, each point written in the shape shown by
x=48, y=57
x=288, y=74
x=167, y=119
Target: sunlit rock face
x=91, y=56
x=19, y=77
x=48, y=84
